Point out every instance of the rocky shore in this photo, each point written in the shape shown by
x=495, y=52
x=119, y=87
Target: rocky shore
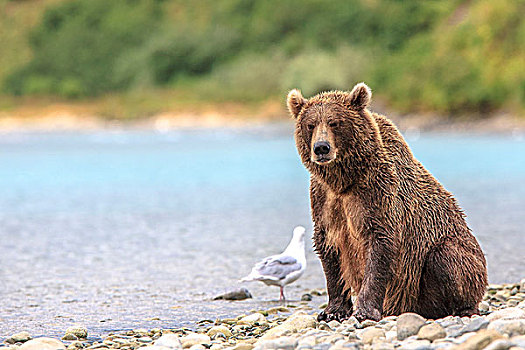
x=500, y=326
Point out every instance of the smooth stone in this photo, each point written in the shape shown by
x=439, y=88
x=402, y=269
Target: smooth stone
x=510, y=313
x=475, y=325
x=75, y=345
x=499, y=344
x=194, y=338
x=252, y=319
x=370, y=334
x=522, y=285
x=43, y=344
x=285, y=343
x=509, y=327
x=171, y=341
x=243, y=346
x=197, y=347
x=334, y=324
x=78, y=331
x=484, y=306
x=20, y=337
x=293, y=324
x=69, y=336
x=383, y=346
x=368, y=323
x=155, y=347
x=409, y=324
x=144, y=340
x=219, y=329
x=307, y=341
x=431, y=332
x=306, y=297
x=479, y=340
x=416, y=345
x=239, y=294
x=518, y=340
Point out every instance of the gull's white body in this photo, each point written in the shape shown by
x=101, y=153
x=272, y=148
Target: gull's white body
x=282, y=269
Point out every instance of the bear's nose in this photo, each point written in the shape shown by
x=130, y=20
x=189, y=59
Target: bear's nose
x=321, y=148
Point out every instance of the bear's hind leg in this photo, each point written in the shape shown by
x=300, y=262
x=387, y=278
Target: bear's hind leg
x=453, y=280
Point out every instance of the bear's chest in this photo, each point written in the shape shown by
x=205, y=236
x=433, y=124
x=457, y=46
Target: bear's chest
x=343, y=222
x=343, y=219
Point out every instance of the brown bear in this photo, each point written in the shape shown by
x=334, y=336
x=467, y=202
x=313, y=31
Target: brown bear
x=384, y=227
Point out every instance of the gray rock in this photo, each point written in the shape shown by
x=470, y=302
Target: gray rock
x=509, y=327
x=431, y=332
x=416, y=345
x=43, y=344
x=19, y=338
x=522, y=286
x=409, y=324
x=499, y=344
x=474, y=326
x=239, y=294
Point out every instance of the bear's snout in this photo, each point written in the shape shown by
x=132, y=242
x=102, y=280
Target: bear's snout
x=321, y=148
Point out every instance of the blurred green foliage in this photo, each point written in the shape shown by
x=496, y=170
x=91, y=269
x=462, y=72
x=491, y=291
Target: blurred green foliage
x=441, y=55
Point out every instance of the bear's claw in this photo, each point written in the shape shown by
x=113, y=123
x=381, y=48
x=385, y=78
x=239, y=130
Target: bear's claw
x=337, y=313
x=370, y=313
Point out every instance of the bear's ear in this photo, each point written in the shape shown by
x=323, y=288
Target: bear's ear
x=360, y=96
x=295, y=102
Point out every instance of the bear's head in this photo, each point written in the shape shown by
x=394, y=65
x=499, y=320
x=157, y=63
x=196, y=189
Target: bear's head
x=336, y=136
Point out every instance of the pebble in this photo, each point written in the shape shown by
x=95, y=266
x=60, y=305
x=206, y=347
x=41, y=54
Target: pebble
x=194, y=338
x=479, y=340
x=169, y=340
x=369, y=335
x=510, y=313
x=508, y=327
x=293, y=324
x=252, y=319
x=431, y=332
x=78, y=331
x=239, y=294
x=219, y=330
x=43, y=344
x=409, y=324
x=501, y=326
x=19, y=338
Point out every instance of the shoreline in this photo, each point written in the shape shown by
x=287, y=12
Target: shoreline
x=500, y=325
x=71, y=118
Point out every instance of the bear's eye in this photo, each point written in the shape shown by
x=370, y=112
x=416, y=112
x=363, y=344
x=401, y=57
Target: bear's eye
x=310, y=126
x=333, y=124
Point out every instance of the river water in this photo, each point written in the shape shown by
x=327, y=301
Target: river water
x=140, y=229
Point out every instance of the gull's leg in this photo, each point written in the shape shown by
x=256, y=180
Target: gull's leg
x=281, y=297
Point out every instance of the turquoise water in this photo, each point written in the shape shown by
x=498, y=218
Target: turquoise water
x=113, y=228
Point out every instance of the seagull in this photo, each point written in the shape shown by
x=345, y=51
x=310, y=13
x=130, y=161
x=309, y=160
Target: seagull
x=282, y=269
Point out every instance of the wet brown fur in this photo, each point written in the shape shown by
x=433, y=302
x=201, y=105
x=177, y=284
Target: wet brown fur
x=385, y=228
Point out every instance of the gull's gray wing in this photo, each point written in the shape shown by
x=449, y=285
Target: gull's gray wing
x=278, y=266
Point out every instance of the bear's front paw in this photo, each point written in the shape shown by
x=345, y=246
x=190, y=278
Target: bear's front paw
x=367, y=313
x=337, y=312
